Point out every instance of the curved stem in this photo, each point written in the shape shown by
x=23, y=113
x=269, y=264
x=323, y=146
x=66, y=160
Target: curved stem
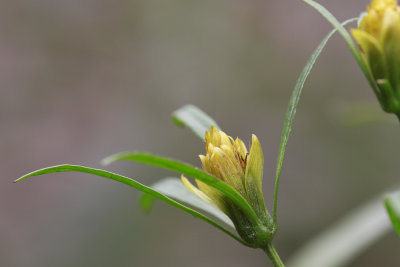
x=273, y=255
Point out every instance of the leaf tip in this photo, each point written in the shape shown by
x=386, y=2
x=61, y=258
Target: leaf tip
x=21, y=178
x=108, y=160
x=119, y=156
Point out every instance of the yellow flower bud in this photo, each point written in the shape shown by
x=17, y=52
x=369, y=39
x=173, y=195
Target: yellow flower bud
x=378, y=36
x=228, y=160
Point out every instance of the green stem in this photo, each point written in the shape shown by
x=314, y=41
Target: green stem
x=273, y=255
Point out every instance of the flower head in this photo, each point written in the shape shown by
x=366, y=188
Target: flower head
x=378, y=36
x=228, y=160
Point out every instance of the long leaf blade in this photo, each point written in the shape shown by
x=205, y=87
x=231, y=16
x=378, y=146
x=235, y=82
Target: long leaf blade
x=134, y=184
x=191, y=171
x=392, y=203
x=174, y=188
x=291, y=112
x=194, y=118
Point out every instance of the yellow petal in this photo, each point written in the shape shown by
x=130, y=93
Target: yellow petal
x=241, y=147
x=390, y=24
x=390, y=38
x=229, y=170
x=195, y=190
x=205, y=161
x=216, y=198
x=383, y=4
x=372, y=52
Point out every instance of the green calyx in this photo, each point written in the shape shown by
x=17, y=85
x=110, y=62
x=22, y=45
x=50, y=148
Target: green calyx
x=257, y=235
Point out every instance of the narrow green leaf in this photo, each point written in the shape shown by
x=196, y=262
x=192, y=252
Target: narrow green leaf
x=349, y=41
x=191, y=171
x=134, y=184
x=194, y=118
x=392, y=203
x=346, y=239
x=291, y=112
x=174, y=188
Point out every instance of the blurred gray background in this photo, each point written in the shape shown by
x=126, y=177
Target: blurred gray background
x=80, y=80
